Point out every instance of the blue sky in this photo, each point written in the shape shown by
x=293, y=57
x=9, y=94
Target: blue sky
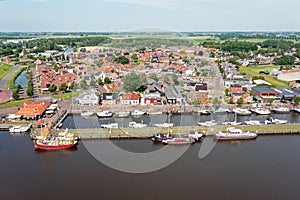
x=126, y=15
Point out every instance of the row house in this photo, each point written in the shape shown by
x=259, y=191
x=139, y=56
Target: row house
x=129, y=99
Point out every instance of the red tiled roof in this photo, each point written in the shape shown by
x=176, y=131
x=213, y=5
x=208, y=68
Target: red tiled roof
x=130, y=97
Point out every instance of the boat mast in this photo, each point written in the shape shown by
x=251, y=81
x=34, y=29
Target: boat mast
x=169, y=116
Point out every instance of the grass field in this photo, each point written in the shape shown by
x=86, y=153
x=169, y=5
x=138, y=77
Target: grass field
x=66, y=96
x=5, y=69
x=254, y=71
x=14, y=103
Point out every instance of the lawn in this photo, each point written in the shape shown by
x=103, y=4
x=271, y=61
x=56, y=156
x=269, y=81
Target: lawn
x=5, y=69
x=254, y=71
x=66, y=96
x=14, y=103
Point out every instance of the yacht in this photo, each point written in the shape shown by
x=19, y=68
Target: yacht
x=164, y=125
x=241, y=111
x=122, y=114
x=110, y=125
x=235, y=134
x=19, y=129
x=221, y=111
x=234, y=123
x=179, y=139
x=297, y=110
x=208, y=123
x=105, y=114
x=87, y=113
x=281, y=110
x=262, y=111
x=204, y=112
x=252, y=122
x=136, y=125
x=155, y=113
x=137, y=113
x=270, y=120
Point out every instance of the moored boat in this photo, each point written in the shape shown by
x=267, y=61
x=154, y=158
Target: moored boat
x=137, y=113
x=271, y=120
x=208, y=123
x=154, y=113
x=281, y=110
x=179, y=139
x=235, y=134
x=164, y=125
x=105, y=114
x=297, y=110
x=136, y=125
x=204, y=112
x=241, y=111
x=252, y=122
x=86, y=113
x=110, y=125
x=262, y=111
x=122, y=114
x=221, y=111
x=159, y=137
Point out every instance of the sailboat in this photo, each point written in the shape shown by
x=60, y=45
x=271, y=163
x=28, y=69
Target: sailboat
x=159, y=137
x=234, y=123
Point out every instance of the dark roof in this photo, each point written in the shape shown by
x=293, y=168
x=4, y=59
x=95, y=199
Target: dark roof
x=263, y=89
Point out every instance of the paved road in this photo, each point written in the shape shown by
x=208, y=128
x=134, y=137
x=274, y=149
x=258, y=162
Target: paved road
x=5, y=78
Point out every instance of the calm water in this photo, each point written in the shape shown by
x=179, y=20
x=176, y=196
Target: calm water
x=76, y=121
x=22, y=80
x=266, y=168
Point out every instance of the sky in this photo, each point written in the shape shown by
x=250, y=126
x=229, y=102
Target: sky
x=128, y=15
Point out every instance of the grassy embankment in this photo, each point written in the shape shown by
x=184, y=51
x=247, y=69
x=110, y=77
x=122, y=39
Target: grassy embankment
x=254, y=71
x=5, y=69
x=66, y=96
x=14, y=103
x=10, y=83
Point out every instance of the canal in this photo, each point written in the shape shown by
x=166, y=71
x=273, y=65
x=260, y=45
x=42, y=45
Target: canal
x=265, y=168
x=22, y=80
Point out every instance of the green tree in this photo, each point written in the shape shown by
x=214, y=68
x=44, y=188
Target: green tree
x=73, y=85
x=227, y=92
x=52, y=88
x=92, y=83
x=83, y=84
x=100, y=82
x=134, y=57
x=15, y=93
x=107, y=80
x=153, y=76
x=121, y=60
x=63, y=87
x=132, y=82
x=240, y=101
x=215, y=101
x=167, y=79
x=30, y=90
x=297, y=100
x=271, y=100
x=175, y=79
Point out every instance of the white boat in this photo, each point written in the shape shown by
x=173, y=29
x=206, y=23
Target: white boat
x=136, y=125
x=221, y=111
x=155, y=113
x=179, y=139
x=252, y=122
x=86, y=113
x=122, y=114
x=15, y=129
x=262, y=111
x=241, y=111
x=271, y=120
x=208, y=123
x=110, y=125
x=137, y=113
x=164, y=125
x=195, y=135
x=297, y=110
x=105, y=113
x=234, y=123
x=204, y=112
x=235, y=134
x=281, y=110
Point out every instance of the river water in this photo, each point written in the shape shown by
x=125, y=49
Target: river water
x=265, y=168
x=76, y=121
x=22, y=80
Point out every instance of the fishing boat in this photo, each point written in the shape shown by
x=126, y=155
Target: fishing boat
x=48, y=141
x=271, y=120
x=86, y=113
x=110, y=125
x=105, y=114
x=235, y=134
x=179, y=139
x=262, y=111
x=252, y=122
x=241, y=111
x=122, y=114
x=281, y=110
x=136, y=125
x=137, y=113
x=204, y=112
x=164, y=125
x=208, y=123
x=221, y=111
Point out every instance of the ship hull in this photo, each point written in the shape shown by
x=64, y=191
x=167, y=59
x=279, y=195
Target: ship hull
x=237, y=138
x=53, y=147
